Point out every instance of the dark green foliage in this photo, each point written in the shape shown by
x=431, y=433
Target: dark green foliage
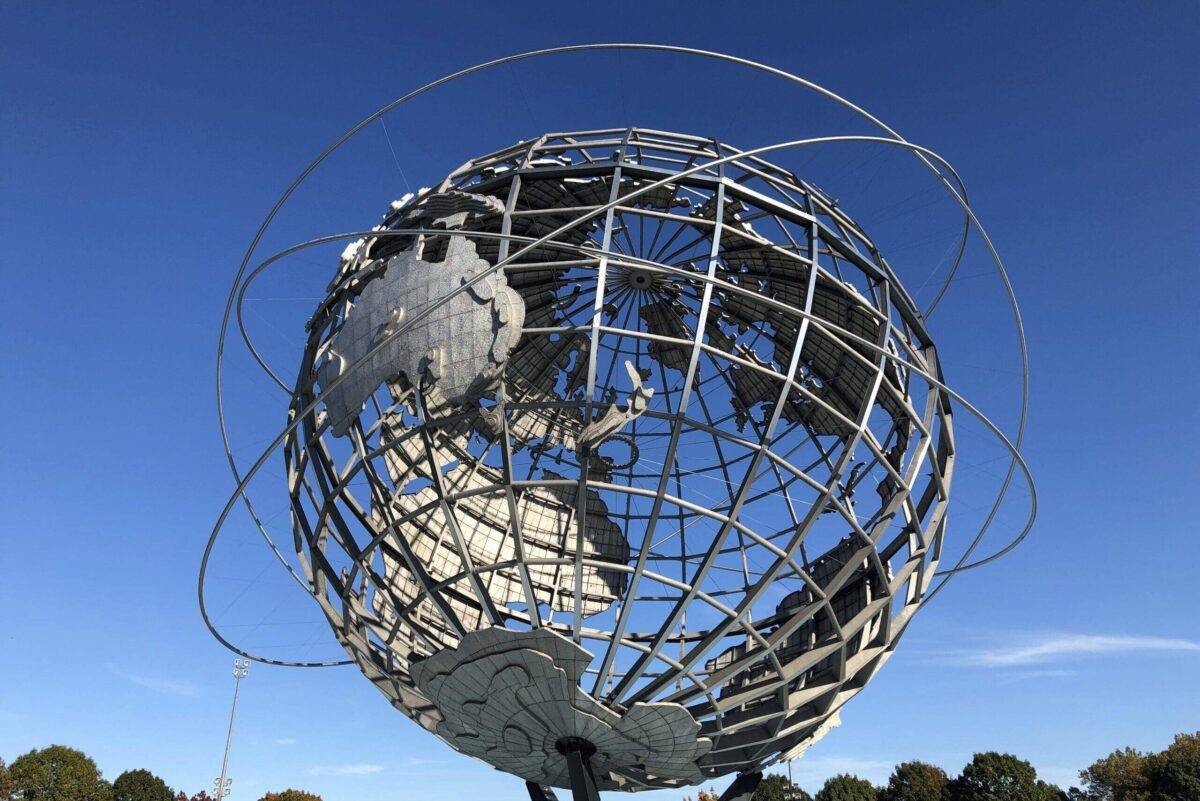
x=140, y=785
x=200, y=796
x=847, y=788
x=1044, y=791
x=917, y=781
x=291, y=795
x=774, y=787
x=1120, y=776
x=1128, y=775
x=57, y=773
x=6, y=785
x=998, y=777
x=1174, y=774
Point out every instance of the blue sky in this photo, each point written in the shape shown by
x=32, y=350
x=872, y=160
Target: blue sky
x=140, y=146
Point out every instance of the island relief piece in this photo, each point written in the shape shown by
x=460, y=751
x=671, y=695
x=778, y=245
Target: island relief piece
x=509, y=698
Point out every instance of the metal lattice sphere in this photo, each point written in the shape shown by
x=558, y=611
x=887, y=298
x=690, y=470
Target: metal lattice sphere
x=619, y=440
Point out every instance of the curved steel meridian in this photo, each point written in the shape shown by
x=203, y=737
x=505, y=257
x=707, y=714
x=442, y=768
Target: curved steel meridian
x=716, y=367
x=780, y=406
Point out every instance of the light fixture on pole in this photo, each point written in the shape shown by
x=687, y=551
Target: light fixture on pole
x=241, y=668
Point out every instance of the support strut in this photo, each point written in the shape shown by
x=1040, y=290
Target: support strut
x=743, y=787
x=540, y=792
x=579, y=754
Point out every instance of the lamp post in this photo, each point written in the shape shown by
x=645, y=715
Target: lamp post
x=241, y=668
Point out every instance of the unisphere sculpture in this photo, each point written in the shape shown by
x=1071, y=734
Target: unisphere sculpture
x=619, y=460
x=760, y=502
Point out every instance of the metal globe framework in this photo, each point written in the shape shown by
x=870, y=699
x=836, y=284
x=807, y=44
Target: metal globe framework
x=620, y=458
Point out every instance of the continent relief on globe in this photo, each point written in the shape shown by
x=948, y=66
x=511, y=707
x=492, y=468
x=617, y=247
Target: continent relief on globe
x=485, y=519
x=458, y=347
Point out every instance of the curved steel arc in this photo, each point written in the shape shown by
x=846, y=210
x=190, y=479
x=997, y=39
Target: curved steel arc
x=347, y=236
x=601, y=46
x=923, y=152
x=839, y=333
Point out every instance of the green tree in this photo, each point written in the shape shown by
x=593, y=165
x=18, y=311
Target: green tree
x=704, y=795
x=917, y=781
x=57, y=773
x=1120, y=776
x=775, y=787
x=847, y=788
x=141, y=785
x=1044, y=791
x=1001, y=777
x=200, y=796
x=291, y=795
x=6, y=785
x=1174, y=773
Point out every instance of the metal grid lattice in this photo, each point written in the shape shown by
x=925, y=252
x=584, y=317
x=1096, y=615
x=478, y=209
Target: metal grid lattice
x=716, y=371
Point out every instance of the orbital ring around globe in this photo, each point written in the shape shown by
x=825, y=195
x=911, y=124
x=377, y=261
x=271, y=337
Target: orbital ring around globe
x=959, y=197
x=1013, y=448
x=832, y=330
x=541, y=53
x=457, y=626
x=538, y=54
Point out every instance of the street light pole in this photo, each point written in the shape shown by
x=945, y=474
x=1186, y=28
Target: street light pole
x=241, y=667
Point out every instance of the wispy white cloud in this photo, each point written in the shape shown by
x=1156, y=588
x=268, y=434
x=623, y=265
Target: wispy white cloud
x=1055, y=647
x=356, y=769
x=1024, y=675
x=157, y=684
x=285, y=741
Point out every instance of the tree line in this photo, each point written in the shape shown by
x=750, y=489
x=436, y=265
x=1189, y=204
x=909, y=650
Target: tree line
x=1126, y=774
x=59, y=773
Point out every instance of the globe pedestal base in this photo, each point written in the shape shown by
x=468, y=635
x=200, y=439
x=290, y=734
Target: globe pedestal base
x=579, y=755
x=742, y=789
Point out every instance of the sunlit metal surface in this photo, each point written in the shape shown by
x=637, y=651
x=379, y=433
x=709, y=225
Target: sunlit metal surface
x=635, y=392
x=762, y=500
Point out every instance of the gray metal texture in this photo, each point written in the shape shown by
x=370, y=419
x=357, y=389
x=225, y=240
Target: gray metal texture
x=706, y=438
x=762, y=512
x=511, y=698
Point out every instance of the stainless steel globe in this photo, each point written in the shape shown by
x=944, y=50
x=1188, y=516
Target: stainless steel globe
x=657, y=495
